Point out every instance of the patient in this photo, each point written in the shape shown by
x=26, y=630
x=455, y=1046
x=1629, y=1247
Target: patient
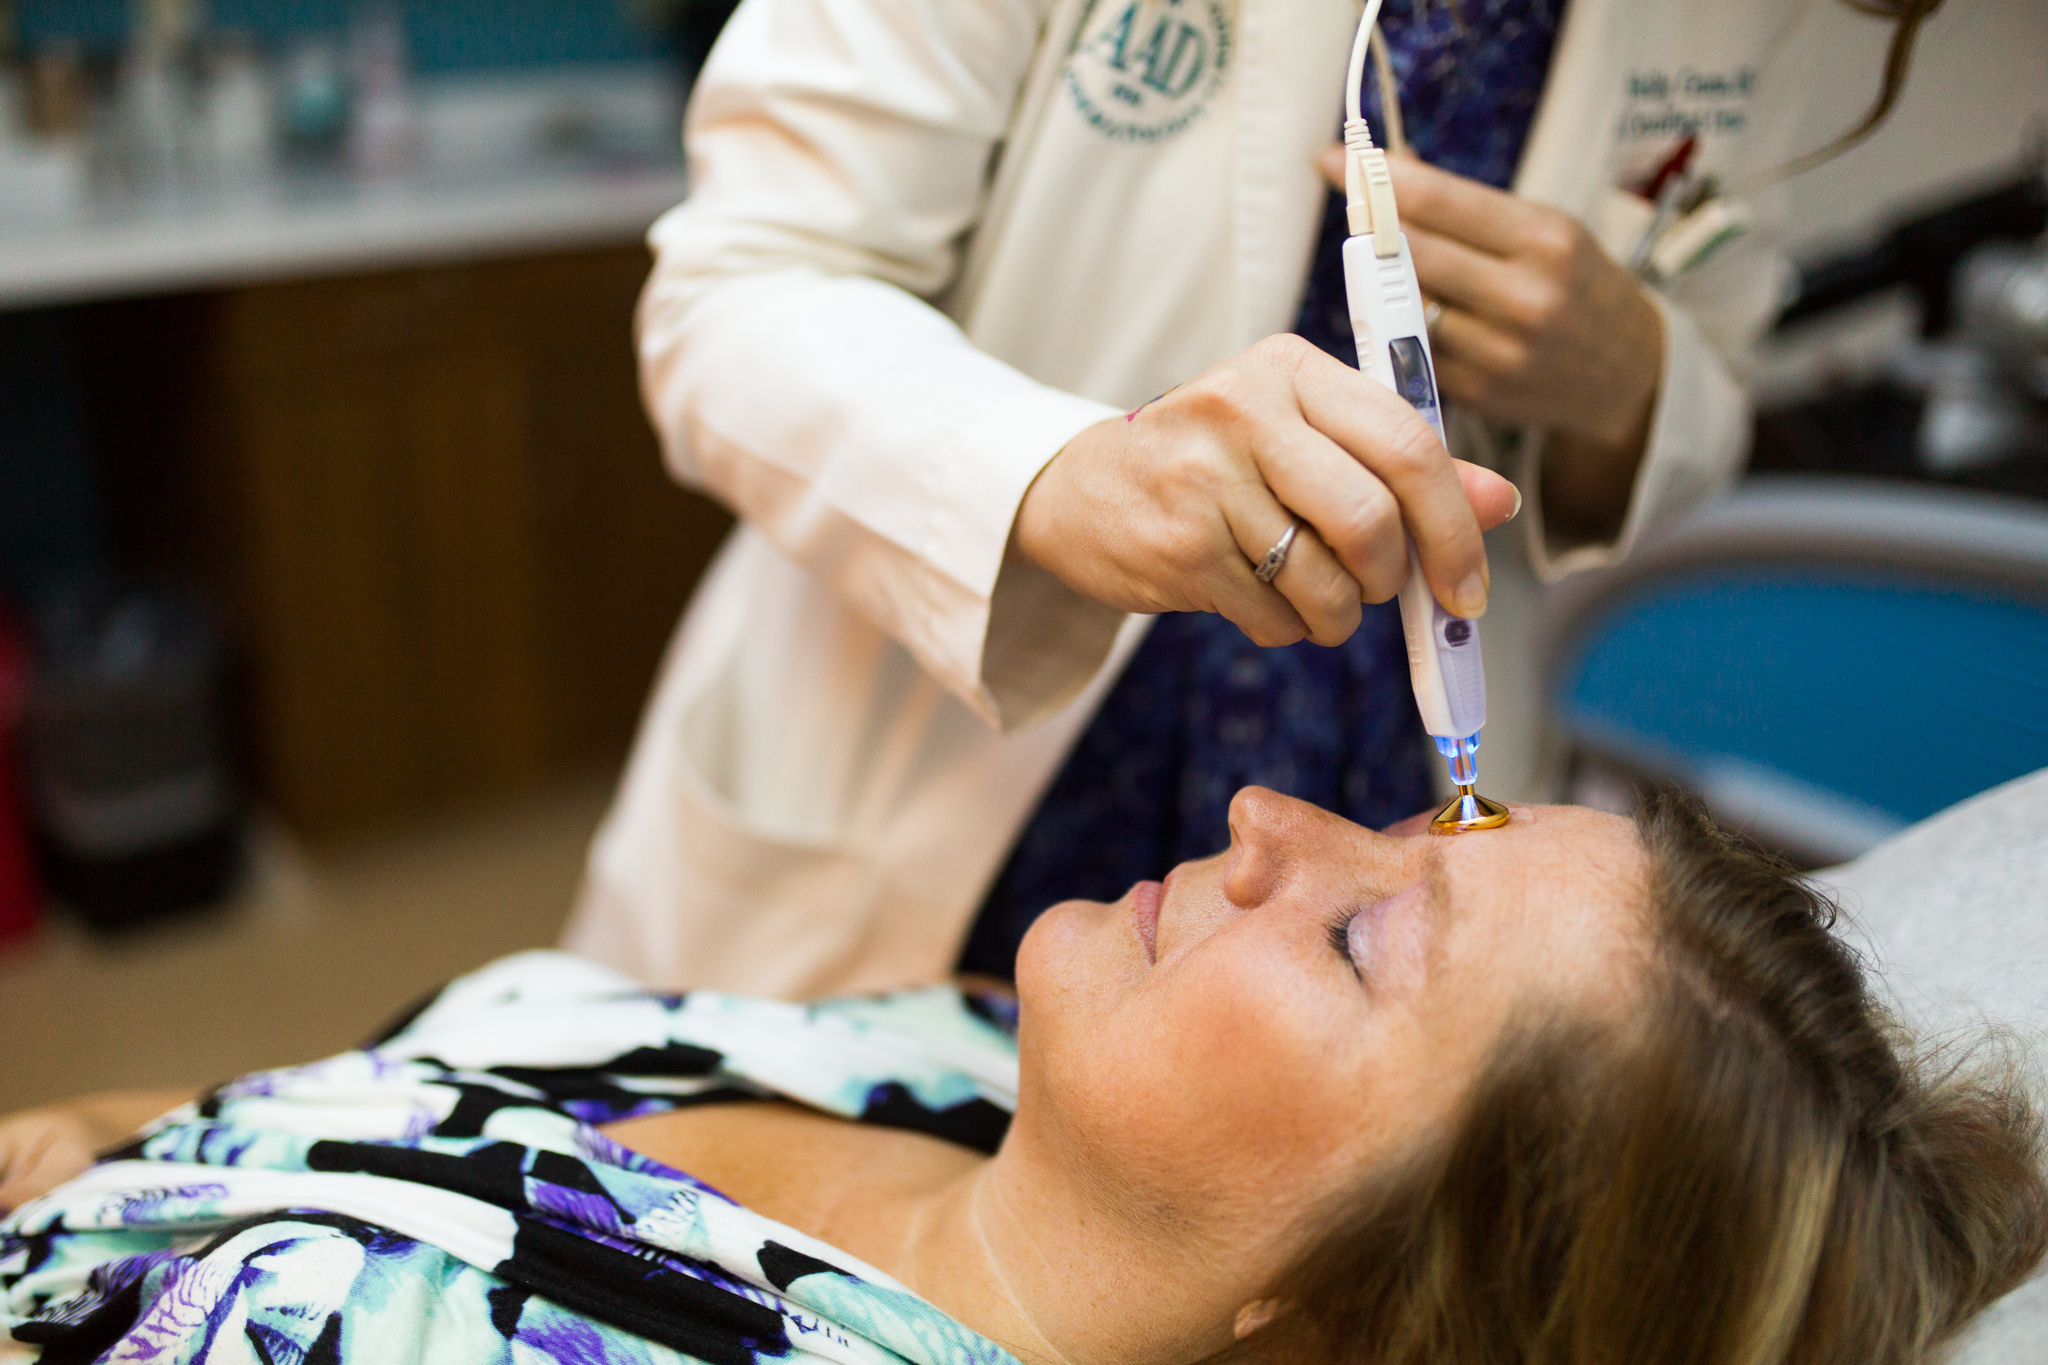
x=1576, y=1090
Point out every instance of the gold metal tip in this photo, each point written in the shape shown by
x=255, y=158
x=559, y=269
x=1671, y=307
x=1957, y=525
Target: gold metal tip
x=1469, y=811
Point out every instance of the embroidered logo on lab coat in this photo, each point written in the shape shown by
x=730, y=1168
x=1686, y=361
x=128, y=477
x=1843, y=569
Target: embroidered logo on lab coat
x=1142, y=70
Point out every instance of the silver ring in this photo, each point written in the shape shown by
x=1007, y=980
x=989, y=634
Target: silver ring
x=1431, y=311
x=1276, y=558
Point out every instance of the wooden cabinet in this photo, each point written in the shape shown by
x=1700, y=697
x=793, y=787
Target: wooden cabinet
x=432, y=507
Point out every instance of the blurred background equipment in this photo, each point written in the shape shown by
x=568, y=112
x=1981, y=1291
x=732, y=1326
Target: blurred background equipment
x=1858, y=637
x=159, y=144
x=1824, y=660
x=129, y=779
x=2001, y=411
x=1965, y=397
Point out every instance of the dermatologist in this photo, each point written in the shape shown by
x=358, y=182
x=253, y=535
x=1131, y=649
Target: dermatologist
x=1008, y=325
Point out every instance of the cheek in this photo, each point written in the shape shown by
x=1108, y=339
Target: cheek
x=1219, y=1091
x=1274, y=1068
x=1069, y=979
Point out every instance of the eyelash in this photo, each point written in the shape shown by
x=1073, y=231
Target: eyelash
x=1340, y=938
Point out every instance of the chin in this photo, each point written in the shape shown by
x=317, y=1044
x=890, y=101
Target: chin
x=1063, y=955
x=1047, y=943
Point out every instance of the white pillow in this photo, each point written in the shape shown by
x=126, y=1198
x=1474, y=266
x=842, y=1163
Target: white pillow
x=1953, y=914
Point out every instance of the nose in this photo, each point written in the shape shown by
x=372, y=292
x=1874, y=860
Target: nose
x=1270, y=835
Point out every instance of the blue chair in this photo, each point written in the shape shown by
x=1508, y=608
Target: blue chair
x=1823, y=660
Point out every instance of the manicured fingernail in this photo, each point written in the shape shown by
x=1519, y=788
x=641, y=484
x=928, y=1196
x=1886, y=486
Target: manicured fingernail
x=1472, y=596
x=1517, y=508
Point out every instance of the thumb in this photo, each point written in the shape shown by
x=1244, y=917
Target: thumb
x=1494, y=500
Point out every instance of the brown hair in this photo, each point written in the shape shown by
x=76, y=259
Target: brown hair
x=1754, y=1171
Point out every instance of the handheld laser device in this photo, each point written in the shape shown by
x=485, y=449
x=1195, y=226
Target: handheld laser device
x=1392, y=332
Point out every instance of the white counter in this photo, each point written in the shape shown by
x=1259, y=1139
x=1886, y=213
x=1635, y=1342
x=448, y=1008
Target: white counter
x=323, y=228
x=487, y=185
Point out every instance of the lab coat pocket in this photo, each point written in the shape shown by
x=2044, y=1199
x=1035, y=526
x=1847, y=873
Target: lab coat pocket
x=729, y=861
x=686, y=892
x=758, y=913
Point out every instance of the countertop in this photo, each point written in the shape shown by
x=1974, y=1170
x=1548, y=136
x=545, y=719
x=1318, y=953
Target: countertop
x=294, y=229
x=494, y=176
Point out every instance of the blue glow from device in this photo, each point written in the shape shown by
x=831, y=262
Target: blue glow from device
x=1463, y=755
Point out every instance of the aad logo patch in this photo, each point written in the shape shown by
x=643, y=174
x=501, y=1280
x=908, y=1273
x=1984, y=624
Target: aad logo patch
x=1142, y=70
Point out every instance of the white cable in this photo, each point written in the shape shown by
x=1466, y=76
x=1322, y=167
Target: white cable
x=1368, y=186
x=1356, y=78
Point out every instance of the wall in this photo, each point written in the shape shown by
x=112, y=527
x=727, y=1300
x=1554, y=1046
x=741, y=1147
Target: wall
x=1977, y=96
x=447, y=35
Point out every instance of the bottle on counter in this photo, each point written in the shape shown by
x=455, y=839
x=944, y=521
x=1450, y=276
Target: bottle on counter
x=148, y=143
x=384, y=138
x=237, y=130
x=313, y=106
x=54, y=97
x=13, y=90
x=42, y=122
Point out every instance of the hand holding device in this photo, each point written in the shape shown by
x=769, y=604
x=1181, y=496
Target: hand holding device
x=1169, y=508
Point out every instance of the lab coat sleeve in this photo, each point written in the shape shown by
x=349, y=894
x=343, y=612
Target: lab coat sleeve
x=1700, y=420
x=793, y=365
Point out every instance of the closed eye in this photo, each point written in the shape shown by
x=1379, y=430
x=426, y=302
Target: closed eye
x=1339, y=934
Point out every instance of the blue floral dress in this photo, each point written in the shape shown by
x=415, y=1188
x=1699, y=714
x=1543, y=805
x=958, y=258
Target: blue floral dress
x=445, y=1195
x=1201, y=711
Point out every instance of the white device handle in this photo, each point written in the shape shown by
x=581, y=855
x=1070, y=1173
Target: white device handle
x=1393, y=347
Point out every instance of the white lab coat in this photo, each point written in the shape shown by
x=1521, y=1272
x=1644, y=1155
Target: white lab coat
x=928, y=242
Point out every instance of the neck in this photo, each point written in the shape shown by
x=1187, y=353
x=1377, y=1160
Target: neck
x=1048, y=1280
x=951, y=1251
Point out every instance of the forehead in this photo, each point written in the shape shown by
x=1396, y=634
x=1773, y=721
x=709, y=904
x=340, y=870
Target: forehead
x=1549, y=841
x=1558, y=894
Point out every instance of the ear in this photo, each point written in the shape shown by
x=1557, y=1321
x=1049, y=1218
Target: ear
x=1253, y=1316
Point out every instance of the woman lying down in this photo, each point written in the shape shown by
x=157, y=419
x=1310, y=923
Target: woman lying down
x=1574, y=1091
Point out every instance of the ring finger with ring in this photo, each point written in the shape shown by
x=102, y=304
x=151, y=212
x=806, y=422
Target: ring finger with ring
x=1293, y=576
x=1276, y=558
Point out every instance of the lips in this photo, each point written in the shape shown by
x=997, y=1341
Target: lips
x=1145, y=900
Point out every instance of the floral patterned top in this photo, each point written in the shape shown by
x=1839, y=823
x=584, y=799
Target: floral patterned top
x=445, y=1196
